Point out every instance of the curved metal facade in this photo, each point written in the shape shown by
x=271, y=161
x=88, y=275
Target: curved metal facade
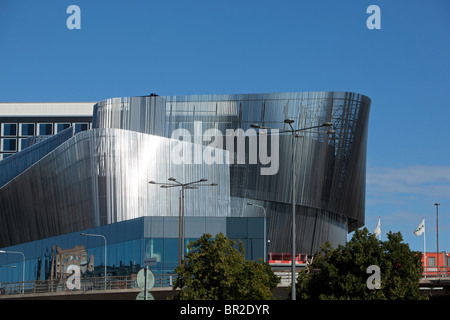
x=330, y=169
x=101, y=175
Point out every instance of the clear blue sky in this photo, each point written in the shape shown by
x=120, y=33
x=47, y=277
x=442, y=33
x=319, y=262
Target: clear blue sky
x=128, y=48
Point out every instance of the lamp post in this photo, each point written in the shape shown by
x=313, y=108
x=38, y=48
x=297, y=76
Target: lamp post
x=265, y=228
x=104, y=238
x=294, y=134
x=174, y=183
x=23, y=267
x=437, y=239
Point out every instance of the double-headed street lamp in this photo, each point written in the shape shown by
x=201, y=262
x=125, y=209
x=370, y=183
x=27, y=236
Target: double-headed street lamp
x=294, y=134
x=23, y=267
x=174, y=183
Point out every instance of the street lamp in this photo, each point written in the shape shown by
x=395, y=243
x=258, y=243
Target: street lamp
x=265, y=230
x=294, y=134
x=190, y=185
x=437, y=238
x=23, y=268
x=104, y=238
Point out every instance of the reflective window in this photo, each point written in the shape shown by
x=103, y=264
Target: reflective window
x=22, y=144
x=431, y=262
x=45, y=129
x=9, y=145
x=62, y=126
x=81, y=127
x=47, y=258
x=9, y=129
x=27, y=129
x=170, y=255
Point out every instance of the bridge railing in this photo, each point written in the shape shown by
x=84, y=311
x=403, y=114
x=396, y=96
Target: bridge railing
x=86, y=284
x=433, y=272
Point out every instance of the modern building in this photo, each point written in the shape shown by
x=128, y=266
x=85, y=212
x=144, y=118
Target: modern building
x=22, y=120
x=116, y=181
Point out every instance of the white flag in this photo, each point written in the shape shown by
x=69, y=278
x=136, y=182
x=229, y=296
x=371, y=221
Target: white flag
x=377, y=230
x=420, y=229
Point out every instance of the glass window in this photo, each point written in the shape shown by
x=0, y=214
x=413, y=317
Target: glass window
x=9, y=145
x=22, y=144
x=431, y=262
x=45, y=129
x=128, y=254
x=170, y=253
x=62, y=126
x=9, y=129
x=154, y=248
x=136, y=247
x=27, y=129
x=81, y=127
x=120, y=254
x=112, y=254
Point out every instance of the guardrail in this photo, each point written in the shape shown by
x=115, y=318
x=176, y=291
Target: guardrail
x=436, y=272
x=86, y=284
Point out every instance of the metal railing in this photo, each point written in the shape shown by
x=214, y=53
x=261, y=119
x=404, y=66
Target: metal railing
x=436, y=272
x=86, y=284
x=285, y=278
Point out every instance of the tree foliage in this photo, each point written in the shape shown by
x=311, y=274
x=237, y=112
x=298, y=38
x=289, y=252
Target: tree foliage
x=341, y=273
x=215, y=270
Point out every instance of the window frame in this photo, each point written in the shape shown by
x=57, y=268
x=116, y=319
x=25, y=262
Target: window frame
x=39, y=128
x=21, y=134
x=3, y=129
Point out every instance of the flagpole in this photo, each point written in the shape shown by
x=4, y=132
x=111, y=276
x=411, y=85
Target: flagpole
x=424, y=250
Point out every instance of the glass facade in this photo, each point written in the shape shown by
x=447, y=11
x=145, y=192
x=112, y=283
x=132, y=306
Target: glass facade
x=128, y=244
x=14, y=135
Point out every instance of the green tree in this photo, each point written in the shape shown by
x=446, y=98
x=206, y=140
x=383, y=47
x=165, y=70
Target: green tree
x=341, y=273
x=214, y=269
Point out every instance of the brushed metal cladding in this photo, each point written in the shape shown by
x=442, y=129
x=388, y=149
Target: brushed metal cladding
x=100, y=177
x=141, y=114
x=19, y=162
x=330, y=167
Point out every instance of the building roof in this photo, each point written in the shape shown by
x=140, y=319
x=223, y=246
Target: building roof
x=42, y=109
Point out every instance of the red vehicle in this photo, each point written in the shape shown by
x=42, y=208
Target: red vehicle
x=277, y=258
